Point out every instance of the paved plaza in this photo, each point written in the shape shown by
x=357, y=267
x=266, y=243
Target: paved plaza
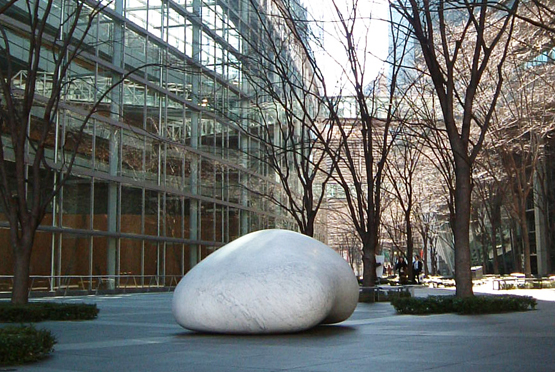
x=137, y=332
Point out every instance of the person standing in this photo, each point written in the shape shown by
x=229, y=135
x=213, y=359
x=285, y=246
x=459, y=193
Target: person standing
x=401, y=267
x=416, y=269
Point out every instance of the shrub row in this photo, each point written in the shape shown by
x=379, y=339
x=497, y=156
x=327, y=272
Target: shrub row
x=23, y=344
x=40, y=311
x=468, y=305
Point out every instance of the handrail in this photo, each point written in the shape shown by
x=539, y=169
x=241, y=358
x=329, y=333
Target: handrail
x=93, y=284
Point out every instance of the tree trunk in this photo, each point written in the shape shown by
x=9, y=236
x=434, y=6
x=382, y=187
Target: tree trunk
x=425, y=257
x=369, y=260
x=309, y=229
x=504, y=253
x=482, y=253
x=434, y=262
x=410, y=245
x=515, y=248
x=22, y=263
x=485, y=255
x=525, y=242
x=461, y=228
x=494, y=247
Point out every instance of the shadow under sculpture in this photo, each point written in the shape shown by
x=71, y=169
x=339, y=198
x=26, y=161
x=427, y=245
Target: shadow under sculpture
x=269, y=281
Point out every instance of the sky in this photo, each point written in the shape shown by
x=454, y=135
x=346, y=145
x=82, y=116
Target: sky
x=371, y=37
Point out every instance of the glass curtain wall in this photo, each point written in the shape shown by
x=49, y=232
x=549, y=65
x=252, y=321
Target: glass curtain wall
x=161, y=172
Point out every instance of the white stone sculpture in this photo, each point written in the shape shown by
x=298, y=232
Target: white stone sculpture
x=269, y=281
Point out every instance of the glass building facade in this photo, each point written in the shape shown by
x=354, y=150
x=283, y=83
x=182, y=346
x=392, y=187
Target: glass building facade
x=164, y=173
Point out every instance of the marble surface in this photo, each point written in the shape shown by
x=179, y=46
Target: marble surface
x=269, y=281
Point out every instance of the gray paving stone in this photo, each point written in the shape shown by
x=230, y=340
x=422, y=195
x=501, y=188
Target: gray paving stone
x=137, y=333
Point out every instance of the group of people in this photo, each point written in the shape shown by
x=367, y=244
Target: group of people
x=402, y=268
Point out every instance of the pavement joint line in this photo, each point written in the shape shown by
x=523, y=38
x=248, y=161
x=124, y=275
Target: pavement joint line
x=128, y=313
x=367, y=321
x=138, y=324
x=45, y=369
x=112, y=343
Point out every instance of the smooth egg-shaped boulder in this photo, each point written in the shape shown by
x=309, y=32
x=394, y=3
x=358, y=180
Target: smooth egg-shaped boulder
x=269, y=281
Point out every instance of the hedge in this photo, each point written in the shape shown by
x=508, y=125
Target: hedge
x=41, y=311
x=24, y=344
x=467, y=305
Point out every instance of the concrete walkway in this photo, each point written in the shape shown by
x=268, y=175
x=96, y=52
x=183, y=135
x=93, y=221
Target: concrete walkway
x=137, y=333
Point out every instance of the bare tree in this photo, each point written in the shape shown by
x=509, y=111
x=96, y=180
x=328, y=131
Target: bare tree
x=540, y=14
x=435, y=163
x=286, y=86
x=349, y=245
x=426, y=225
x=29, y=110
x=488, y=200
x=523, y=120
x=535, y=52
x=363, y=142
x=394, y=227
x=519, y=165
x=482, y=237
x=458, y=42
x=402, y=172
